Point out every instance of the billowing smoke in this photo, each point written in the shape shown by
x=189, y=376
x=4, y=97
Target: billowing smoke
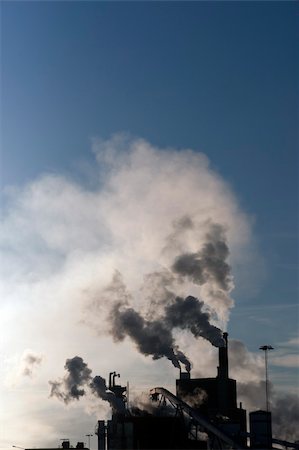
x=285, y=416
x=71, y=386
x=284, y=408
x=188, y=314
x=29, y=362
x=145, y=208
x=151, y=337
x=98, y=386
x=209, y=263
x=250, y=371
x=195, y=398
x=152, y=328
x=143, y=404
x=77, y=379
x=208, y=266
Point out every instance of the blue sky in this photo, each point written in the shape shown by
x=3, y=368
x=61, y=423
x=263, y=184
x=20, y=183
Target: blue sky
x=220, y=78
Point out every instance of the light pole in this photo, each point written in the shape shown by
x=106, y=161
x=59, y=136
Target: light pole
x=266, y=348
x=89, y=436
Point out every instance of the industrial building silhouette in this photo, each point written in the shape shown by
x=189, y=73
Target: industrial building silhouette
x=214, y=422
x=203, y=414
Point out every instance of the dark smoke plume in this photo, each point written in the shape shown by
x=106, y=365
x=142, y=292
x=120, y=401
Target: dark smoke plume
x=188, y=314
x=98, y=387
x=151, y=329
x=71, y=386
x=155, y=338
x=78, y=378
x=209, y=264
x=151, y=337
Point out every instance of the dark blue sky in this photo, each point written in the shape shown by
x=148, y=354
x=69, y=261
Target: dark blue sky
x=220, y=77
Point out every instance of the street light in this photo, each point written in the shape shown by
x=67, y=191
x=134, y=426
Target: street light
x=266, y=348
x=89, y=436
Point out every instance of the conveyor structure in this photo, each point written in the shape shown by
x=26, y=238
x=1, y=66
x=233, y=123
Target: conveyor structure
x=217, y=439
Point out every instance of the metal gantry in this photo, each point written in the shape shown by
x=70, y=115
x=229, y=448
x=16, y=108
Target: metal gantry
x=218, y=439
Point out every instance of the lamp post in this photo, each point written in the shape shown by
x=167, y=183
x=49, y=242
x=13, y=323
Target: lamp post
x=89, y=436
x=266, y=348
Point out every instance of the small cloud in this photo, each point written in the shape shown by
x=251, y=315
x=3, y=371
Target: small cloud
x=264, y=320
x=29, y=362
x=286, y=361
x=291, y=342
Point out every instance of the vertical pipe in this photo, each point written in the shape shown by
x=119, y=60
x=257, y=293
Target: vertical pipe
x=265, y=348
x=266, y=366
x=223, y=359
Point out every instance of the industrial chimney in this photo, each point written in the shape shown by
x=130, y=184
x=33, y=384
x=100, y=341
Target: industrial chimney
x=223, y=360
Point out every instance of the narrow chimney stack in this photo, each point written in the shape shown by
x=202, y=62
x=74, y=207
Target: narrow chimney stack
x=223, y=360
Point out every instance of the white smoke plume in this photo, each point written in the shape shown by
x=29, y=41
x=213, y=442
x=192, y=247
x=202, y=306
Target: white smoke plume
x=194, y=399
x=62, y=242
x=248, y=369
x=153, y=333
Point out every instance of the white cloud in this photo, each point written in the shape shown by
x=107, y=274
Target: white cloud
x=286, y=361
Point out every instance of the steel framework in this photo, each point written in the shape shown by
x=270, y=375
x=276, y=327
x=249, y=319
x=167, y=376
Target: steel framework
x=217, y=439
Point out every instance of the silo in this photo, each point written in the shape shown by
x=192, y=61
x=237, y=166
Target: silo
x=260, y=429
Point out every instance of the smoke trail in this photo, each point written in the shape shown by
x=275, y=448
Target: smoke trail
x=98, y=387
x=188, y=314
x=209, y=264
x=151, y=337
x=77, y=379
x=71, y=386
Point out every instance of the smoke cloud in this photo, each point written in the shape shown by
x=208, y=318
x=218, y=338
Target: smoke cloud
x=29, y=362
x=209, y=265
x=188, y=314
x=98, y=386
x=251, y=391
x=152, y=329
x=284, y=408
x=194, y=399
x=151, y=337
x=210, y=262
x=155, y=336
x=285, y=416
x=64, y=238
x=71, y=386
x=77, y=379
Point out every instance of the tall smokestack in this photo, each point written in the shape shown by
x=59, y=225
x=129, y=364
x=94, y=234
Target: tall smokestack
x=223, y=360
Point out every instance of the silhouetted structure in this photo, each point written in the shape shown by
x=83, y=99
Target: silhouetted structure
x=219, y=404
x=65, y=445
x=202, y=415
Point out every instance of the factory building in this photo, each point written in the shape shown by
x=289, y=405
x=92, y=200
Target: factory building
x=203, y=414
